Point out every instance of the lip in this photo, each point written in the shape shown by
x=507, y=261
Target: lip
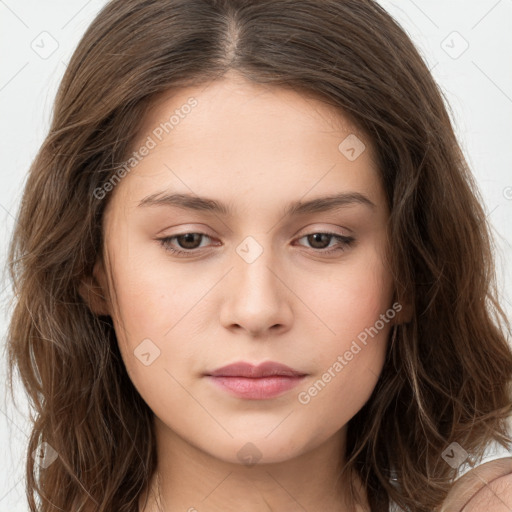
x=264, y=381
x=266, y=369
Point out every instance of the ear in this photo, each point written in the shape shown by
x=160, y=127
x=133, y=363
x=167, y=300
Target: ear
x=93, y=291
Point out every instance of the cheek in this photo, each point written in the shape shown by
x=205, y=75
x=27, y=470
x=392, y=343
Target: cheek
x=352, y=297
x=154, y=307
x=348, y=370
x=357, y=316
x=152, y=294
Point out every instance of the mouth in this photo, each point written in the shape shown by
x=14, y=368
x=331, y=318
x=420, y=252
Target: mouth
x=265, y=381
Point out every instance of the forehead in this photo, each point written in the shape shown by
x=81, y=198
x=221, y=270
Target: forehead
x=261, y=142
x=242, y=102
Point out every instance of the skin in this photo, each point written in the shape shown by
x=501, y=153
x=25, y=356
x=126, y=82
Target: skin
x=487, y=487
x=255, y=148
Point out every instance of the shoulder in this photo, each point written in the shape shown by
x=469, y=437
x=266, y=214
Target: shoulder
x=487, y=487
x=496, y=496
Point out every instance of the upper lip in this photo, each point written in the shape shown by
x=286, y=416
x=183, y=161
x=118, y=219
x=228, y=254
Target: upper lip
x=266, y=369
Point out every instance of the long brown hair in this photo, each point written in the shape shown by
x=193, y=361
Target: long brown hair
x=448, y=372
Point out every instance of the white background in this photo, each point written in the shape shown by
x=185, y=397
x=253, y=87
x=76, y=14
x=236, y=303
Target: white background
x=477, y=84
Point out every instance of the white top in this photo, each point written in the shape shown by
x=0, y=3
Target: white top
x=493, y=451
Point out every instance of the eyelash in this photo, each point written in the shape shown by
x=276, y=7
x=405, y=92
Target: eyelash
x=345, y=243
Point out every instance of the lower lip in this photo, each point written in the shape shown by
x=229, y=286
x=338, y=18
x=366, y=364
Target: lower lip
x=257, y=388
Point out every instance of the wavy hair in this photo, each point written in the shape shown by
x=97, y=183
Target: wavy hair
x=448, y=371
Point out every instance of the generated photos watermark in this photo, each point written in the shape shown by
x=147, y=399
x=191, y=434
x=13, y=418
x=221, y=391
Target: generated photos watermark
x=304, y=397
x=149, y=144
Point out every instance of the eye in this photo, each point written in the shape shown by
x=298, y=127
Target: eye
x=315, y=239
x=188, y=242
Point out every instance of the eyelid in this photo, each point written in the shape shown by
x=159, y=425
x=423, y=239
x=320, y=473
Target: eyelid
x=315, y=228
x=308, y=230
x=184, y=229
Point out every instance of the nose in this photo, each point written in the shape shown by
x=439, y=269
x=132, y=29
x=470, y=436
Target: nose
x=257, y=297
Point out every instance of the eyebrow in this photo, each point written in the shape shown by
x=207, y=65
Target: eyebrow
x=197, y=203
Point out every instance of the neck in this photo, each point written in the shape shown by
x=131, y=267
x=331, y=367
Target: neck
x=192, y=480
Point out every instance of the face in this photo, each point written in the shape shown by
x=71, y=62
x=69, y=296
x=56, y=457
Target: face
x=268, y=269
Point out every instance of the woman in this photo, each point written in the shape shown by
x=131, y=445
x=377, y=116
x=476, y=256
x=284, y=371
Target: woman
x=257, y=368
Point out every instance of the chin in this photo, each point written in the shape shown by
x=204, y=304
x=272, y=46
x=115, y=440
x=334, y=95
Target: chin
x=250, y=451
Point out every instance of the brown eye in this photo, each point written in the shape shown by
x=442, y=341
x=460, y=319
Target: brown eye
x=187, y=242
x=318, y=240
x=321, y=241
